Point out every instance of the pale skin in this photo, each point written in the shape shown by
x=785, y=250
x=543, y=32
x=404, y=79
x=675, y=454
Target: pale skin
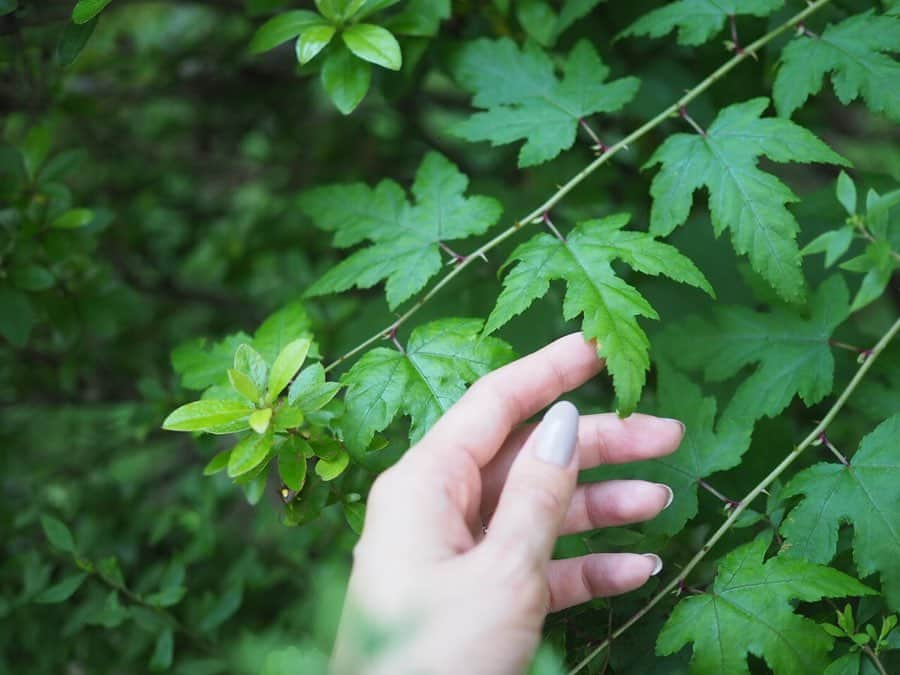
x=458, y=599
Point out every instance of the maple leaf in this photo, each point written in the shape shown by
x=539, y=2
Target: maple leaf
x=706, y=448
x=524, y=99
x=854, y=52
x=421, y=382
x=405, y=238
x=866, y=493
x=609, y=305
x=697, y=20
x=743, y=198
x=749, y=611
x=792, y=353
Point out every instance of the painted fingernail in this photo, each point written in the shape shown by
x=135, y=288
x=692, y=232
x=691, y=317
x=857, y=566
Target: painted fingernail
x=674, y=421
x=657, y=563
x=670, y=497
x=557, y=434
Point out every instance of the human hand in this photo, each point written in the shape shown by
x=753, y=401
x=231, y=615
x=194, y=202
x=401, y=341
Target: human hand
x=454, y=598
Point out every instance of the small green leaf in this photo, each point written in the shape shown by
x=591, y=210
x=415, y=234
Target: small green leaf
x=72, y=41
x=846, y=193
x=355, y=513
x=61, y=591
x=286, y=366
x=834, y=244
x=312, y=41
x=292, y=468
x=346, y=79
x=58, y=534
x=243, y=385
x=73, y=219
x=163, y=651
x=217, y=463
x=85, y=10
x=282, y=28
x=250, y=362
x=8, y=7
x=310, y=391
x=833, y=630
x=31, y=278
x=206, y=414
x=248, y=454
x=331, y=9
x=374, y=44
x=288, y=417
x=259, y=420
x=331, y=469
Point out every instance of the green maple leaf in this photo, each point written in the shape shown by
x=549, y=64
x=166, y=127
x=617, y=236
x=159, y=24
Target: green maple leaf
x=706, y=448
x=524, y=99
x=854, y=52
x=697, y=20
x=609, y=306
x=791, y=352
x=422, y=382
x=405, y=238
x=749, y=611
x=867, y=494
x=743, y=198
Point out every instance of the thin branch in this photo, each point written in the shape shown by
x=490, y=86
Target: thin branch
x=677, y=582
x=875, y=660
x=578, y=178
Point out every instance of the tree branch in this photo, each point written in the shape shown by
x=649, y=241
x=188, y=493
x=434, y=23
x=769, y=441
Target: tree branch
x=577, y=179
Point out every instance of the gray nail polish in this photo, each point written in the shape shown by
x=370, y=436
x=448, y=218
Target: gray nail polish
x=671, y=496
x=657, y=563
x=557, y=434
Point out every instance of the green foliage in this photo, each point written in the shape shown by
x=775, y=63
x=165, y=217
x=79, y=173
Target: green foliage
x=421, y=382
x=791, y=352
x=406, y=239
x=742, y=198
x=181, y=188
x=855, y=54
x=866, y=493
x=748, y=610
x=709, y=446
x=524, y=98
x=697, y=20
x=609, y=306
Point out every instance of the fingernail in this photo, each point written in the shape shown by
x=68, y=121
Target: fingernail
x=657, y=563
x=670, y=497
x=674, y=421
x=557, y=434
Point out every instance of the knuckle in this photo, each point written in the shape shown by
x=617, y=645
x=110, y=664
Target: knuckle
x=543, y=500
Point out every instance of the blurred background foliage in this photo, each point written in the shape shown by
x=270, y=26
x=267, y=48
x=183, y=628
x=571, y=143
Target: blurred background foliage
x=148, y=189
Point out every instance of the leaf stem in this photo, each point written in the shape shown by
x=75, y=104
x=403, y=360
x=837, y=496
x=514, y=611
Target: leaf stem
x=834, y=451
x=755, y=492
x=690, y=120
x=552, y=227
x=578, y=178
x=874, y=658
x=729, y=503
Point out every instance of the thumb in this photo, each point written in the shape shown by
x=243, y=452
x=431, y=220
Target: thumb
x=538, y=489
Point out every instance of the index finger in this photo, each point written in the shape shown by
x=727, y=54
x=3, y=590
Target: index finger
x=480, y=421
